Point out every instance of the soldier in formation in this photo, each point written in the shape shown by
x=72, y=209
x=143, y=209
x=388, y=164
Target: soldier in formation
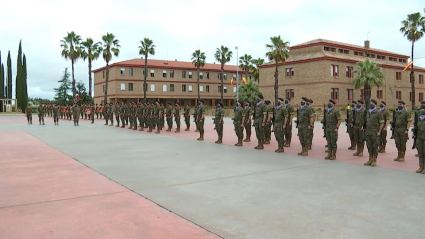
x=218, y=122
x=76, y=114
x=279, y=126
x=177, y=116
x=403, y=119
x=333, y=120
x=260, y=118
x=248, y=121
x=373, y=128
x=186, y=116
x=239, y=122
x=305, y=120
x=200, y=119
x=350, y=124
x=268, y=122
x=420, y=138
x=28, y=114
x=55, y=113
x=41, y=114
x=288, y=128
x=386, y=115
x=359, y=121
x=169, y=116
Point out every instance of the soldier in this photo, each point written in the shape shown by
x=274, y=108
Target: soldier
x=158, y=117
x=75, y=114
x=200, y=120
x=218, y=121
x=135, y=112
x=96, y=110
x=305, y=124
x=311, y=131
x=140, y=115
x=105, y=112
x=187, y=117
x=288, y=129
x=420, y=139
x=418, y=112
x=28, y=113
x=111, y=113
x=374, y=125
x=280, y=121
x=195, y=117
x=333, y=120
x=268, y=125
x=248, y=121
x=359, y=121
x=260, y=118
x=82, y=110
x=130, y=115
x=150, y=118
x=55, y=112
x=122, y=114
x=177, y=117
x=117, y=114
x=101, y=108
x=350, y=124
x=386, y=115
x=239, y=122
x=92, y=109
x=41, y=114
x=169, y=116
x=163, y=116
x=403, y=119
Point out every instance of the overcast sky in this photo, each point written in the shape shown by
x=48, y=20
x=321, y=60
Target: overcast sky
x=178, y=27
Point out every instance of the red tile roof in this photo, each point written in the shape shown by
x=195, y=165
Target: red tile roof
x=164, y=64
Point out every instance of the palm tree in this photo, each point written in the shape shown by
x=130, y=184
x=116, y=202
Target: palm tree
x=413, y=28
x=92, y=52
x=249, y=92
x=278, y=52
x=245, y=62
x=71, y=50
x=146, y=48
x=110, y=46
x=369, y=74
x=255, y=71
x=223, y=55
x=198, y=59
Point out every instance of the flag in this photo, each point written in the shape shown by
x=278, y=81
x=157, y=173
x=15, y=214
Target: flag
x=244, y=81
x=231, y=81
x=408, y=66
x=76, y=99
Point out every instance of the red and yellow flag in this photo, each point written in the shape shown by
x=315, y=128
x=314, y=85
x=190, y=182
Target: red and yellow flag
x=408, y=66
x=244, y=81
x=231, y=81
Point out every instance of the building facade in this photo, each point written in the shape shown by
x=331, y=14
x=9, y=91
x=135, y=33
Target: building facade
x=323, y=70
x=167, y=82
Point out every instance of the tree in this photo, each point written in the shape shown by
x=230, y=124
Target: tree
x=110, y=46
x=278, y=52
x=61, y=95
x=413, y=28
x=24, y=83
x=9, y=77
x=198, y=59
x=369, y=74
x=1, y=82
x=19, y=84
x=71, y=50
x=255, y=70
x=91, y=52
x=82, y=92
x=223, y=55
x=245, y=62
x=146, y=48
x=249, y=92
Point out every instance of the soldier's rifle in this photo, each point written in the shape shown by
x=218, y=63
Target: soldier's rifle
x=392, y=123
x=324, y=121
x=415, y=130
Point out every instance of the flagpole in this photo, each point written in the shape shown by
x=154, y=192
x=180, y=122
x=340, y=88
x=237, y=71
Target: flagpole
x=237, y=75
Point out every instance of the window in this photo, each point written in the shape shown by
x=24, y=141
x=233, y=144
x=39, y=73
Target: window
x=207, y=75
x=152, y=87
x=234, y=89
x=103, y=88
x=400, y=60
x=122, y=71
x=362, y=94
x=334, y=70
x=330, y=49
x=130, y=71
x=225, y=76
x=190, y=74
x=410, y=96
x=334, y=93
x=398, y=75
x=164, y=74
x=349, y=94
x=349, y=72
x=219, y=88
x=358, y=53
x=201, y=88
x=225, y=89
x=201, y=75
x=183, y=74
x=379, y=94
x=184, y=88
x=346, y=52
x=103, y=74
x=152, y=73
x=398, y=95
x=164, y=88
x=171, y=87
x=290, y=72
x=207, y=88
x=421, y=79
x=122, y=86
x=234, y=77
x=171, y=73
x=219, y=76
x=404, y=60
x=340, y=50
x=144, y=73
x=421, y=97
x=392, y=59
x=290, y=93
x=190, y=88
x=130, y=86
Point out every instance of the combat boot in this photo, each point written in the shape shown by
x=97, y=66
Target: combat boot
x=150, y=129
x=267, y=141
x=177, y=130
x=187, y=128
x=261, y=146
x=368, y=162
x=282, y=149
x=305, y=151
x=122, y=126
x=421, y=168
x=329, y=154
x=383, y=149
x=248, y=138
x=302, y=150
x=157, y=131
x=373, y=164
x=106, y=123
x=256, y=147
x=333, y=154
x=402, y=156
x=309, y=147
x=361, y=151
x=169, y=129
x=135, y=127
x=351, y=147
x=220, y=139
x=141, y=129
x=202, y=137
x=130, y=127
x=239, y=142
x=357, y=152
x=197, y=130
x=118, y=125
x=398, y=156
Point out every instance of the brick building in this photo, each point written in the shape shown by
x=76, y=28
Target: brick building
x=323, y=70
x=167, y=81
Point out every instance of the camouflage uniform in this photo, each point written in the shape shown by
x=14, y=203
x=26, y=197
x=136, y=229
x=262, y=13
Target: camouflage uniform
x=333, y=117
x=402, y=120
x=200, y=120
x=311, y=131
x=41, y=114
x=359, y=121
x=177, y=117
x=187, y=118
x=55, y=112
x=383, y=143
x=169, y=116
x=281, y=115
x=239, y=122
x=304, y=117
x=248, y=123
x=350, y=126
x=374, y=120
x=259, y=113
x=28, y=113
x=75, y=114
x=117, y=114
x=219, y=114
x=420, y=142
x=268, y=124
x=105, y=114
x=288, y=129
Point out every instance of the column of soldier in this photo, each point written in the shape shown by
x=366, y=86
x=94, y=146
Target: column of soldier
x=362, y=125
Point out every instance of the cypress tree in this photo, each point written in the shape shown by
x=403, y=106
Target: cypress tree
x=1, y=81
x=24, y=83
x=18, y=82
x=9, y=77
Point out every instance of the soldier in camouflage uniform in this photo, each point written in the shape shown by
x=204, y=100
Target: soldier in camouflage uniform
x=386, y=115
x=177, y=116
x=122, y=114
x=195, y=117
x=117, y=114
x=333, y=120
x=55, y=112
x=75, y=114
x=403, y=119
x=268, y=125
x=311, y=131
x=104, y=112
x=41, y=114
x=305, y=124
x=359, y=121
x=200, y=120
x=350, y=124
x=280, y=121
x=135, y=115
x=158, y=117
x=149, y=116
x=28, y=113
x=248, y=121
x=163, y=116
x=260, y=118
x=288, y=128
x=374, y=125
x=111, y=113
x=187, y=117
x=219, y=114
x=140, y=110
x=420, y=139
x=169, y=117
x=239, y=122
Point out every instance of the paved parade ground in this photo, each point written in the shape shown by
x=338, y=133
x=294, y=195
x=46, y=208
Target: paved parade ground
x=96, y=181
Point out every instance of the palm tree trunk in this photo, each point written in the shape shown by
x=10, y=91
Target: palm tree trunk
x=90, y=82
x=246, y=76
x=276, y=89
x=222, y=88
x=73, y=80
x=412, y=80
x=145, y=76
x=367, y=94
x=199, y=94
x=105, y=99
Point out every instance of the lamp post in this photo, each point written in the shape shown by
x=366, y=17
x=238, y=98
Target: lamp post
x=237, y=74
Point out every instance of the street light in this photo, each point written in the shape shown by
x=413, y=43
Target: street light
x=237, y=75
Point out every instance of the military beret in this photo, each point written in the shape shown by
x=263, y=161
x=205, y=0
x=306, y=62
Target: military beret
x=305, y=99
x=332, y=101
x=288, y=98
x=310, y=100
x=281, y=99
x=220, y=104
x=240, y=102
x=383, y=102
x=401, y=102
x=261, y=96
x=374, y=101
x=354, y=102
x=177, y=103
x=201, y=100
x=360, y=101
x=423, y=102
x=267, y=102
